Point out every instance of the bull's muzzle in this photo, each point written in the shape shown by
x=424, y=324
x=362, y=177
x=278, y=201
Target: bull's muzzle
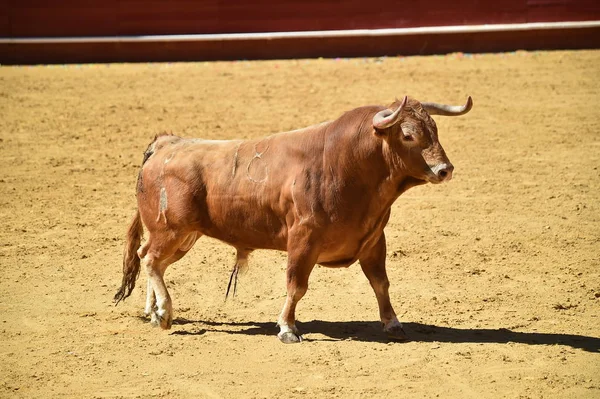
x=442, y=172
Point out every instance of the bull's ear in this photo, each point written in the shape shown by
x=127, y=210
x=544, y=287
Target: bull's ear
x=387, y=118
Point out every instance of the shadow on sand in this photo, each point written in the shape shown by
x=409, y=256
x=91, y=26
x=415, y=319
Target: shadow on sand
x=372, y=332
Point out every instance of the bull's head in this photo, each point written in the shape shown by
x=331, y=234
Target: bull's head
x=412, y=137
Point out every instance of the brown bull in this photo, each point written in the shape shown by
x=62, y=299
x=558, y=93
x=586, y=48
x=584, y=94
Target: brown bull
x=322, y=193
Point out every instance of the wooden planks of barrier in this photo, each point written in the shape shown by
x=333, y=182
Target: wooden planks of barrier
x=69, y=31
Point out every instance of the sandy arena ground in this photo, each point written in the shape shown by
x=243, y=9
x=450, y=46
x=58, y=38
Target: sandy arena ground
x=496, y=275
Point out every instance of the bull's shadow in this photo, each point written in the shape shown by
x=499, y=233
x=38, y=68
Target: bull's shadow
x=372, y=332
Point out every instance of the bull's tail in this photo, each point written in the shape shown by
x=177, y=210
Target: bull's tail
x=131, y=260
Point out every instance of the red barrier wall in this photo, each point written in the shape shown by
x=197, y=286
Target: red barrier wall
x=119, y=18
x=47, y=18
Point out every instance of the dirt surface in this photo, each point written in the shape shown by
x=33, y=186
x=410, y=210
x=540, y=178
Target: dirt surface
x=495, y=275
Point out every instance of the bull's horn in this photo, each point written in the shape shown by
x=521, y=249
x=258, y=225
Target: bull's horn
x=387, y=117
x=448, y=110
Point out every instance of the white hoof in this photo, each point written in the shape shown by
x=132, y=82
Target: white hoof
x=288, y=337
x=288, y=334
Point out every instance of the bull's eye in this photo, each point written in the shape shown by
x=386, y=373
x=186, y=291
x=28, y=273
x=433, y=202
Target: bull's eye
x=408, y=132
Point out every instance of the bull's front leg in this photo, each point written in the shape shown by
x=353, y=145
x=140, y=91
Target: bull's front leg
x=372, y=263
x=302, y=257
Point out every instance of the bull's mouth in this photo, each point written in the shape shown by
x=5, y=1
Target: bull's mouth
x=432, y=178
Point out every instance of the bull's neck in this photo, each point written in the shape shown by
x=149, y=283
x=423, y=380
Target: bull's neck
x=367, y=160
x=399, y=179
x=382, y=166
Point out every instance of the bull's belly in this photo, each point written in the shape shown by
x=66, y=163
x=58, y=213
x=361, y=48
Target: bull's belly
x=255, y=242
x=333, y=254
x=340, y=259
x=340, y=254
x=253, y=237
x=235, y=222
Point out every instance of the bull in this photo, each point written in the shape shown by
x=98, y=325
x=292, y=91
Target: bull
x=322, y=193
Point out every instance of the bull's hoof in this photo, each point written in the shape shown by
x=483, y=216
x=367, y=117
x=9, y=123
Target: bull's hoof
x=289, y=337
x=396, y=333
x=165, y=321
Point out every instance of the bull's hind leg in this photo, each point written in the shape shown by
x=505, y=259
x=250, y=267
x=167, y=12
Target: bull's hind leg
x=373, y=265
x=162, y=311
x=150, y=297
x=155, y=261
x=151, y=307
x=150, y=300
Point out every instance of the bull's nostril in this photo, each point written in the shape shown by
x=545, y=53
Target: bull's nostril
x=442, y=172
